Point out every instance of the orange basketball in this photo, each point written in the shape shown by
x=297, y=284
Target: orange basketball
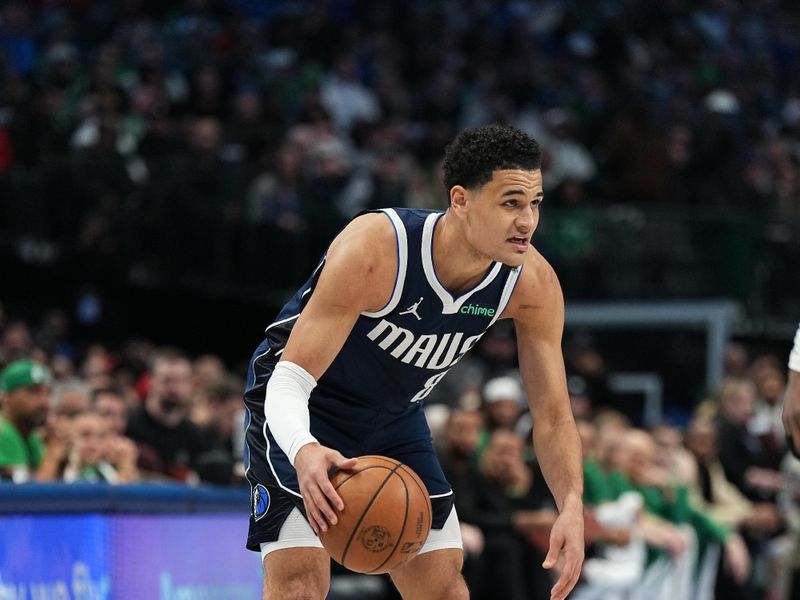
x=386, y=516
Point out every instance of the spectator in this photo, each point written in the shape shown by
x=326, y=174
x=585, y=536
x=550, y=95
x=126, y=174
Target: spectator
x=786, y=576
x=672, y=455
x=713, y=493
x=346, y=98
x=96, y=367
x=740, y=452
x=615, y=549
x=579, y=398
x=509, y=501
x=169, y=443
x=457, y=452
x=458, y=449
x=110, y=404
x=70, y=397
x=674, y=525
x=767, y=422
x=586, y=361
x=24, y=393
x=504, y=404
x=98, y=455
x=225, y=425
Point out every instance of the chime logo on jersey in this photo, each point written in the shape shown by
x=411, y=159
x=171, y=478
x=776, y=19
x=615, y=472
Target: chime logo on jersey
x=427, y=351
x=477, y=310
x=260, y=501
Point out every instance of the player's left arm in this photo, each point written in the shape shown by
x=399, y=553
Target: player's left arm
x=537, y=309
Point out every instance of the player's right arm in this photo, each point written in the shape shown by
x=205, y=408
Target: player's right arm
x=358, y=275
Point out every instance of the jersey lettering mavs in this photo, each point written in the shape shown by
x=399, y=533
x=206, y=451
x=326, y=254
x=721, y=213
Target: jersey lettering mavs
x=398, y=354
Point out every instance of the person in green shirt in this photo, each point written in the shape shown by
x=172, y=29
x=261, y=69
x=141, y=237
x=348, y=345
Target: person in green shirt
x=667, y=504
x=24, y=405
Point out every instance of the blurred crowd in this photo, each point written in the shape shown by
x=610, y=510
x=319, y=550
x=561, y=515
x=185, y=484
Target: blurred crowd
x=673, y=509
x=114, y=415
x=163, y=141
x=695, y=510
x=226, y=131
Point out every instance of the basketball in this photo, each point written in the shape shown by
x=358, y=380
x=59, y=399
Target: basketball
x=386, y=516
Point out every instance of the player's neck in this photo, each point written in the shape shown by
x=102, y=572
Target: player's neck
x=457, y=265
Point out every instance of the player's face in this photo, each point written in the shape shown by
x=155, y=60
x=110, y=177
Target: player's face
x=503, y=214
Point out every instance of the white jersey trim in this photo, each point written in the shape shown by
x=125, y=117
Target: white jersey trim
x=508, y=290
x=450, y=305
x=450, y=493
x=402, y=264
x=269, y=461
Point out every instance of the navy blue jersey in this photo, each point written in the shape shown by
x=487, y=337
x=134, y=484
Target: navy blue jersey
x=395, y=356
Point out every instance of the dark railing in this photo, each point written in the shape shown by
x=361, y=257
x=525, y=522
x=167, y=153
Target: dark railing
x=85, y=220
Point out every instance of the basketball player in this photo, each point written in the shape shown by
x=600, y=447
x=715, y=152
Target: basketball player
x=791, y=402
x=399, y=298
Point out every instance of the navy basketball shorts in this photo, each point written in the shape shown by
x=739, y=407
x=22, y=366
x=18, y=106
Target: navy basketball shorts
x=352, y=430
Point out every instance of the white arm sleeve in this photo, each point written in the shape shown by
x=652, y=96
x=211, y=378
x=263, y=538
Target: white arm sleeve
x=794, y=355
x=286, y=407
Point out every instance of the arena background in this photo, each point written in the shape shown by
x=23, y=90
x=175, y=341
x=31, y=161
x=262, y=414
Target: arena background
x=171, y=171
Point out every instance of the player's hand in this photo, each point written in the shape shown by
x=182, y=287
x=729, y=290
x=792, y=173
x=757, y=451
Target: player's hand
x=312, y=463
x=566, y=549
x=791, y=413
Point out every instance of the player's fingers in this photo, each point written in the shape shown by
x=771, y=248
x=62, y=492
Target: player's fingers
x=330, y=493
x=569, y=577
x=324, y=509
x=556, y=542
x=311, y=496
x=563, y=586
x=310, y=509
x=344, y=464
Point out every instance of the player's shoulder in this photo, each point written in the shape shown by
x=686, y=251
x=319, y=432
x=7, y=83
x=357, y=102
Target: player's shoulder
x=537, y=288
x=538, y=274
x=371, y=227
x=363, y=258
x=364, y=239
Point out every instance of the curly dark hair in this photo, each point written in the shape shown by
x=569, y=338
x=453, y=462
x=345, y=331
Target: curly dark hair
x=476, y=153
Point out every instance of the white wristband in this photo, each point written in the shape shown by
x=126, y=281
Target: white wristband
x=286, y=407
x=794, y=355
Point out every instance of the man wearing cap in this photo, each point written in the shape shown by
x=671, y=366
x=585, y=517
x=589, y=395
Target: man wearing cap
x=24, y=403
x=504, y=402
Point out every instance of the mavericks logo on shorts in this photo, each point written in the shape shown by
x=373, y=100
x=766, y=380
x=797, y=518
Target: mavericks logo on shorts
x=260, y=501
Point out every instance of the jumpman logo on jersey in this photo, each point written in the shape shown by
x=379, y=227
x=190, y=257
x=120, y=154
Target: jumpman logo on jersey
x=413, y=309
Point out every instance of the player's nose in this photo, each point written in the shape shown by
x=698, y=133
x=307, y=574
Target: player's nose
x=525, y=221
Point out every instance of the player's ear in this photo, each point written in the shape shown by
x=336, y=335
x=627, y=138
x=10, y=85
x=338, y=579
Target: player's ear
x=458, y=197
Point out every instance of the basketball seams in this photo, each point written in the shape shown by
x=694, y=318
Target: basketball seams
x=402, y=529
x=422, y=488
x=349, y=477
x=366, y=510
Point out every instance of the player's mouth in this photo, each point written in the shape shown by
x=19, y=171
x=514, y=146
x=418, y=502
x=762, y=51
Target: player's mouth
x=519, y=243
